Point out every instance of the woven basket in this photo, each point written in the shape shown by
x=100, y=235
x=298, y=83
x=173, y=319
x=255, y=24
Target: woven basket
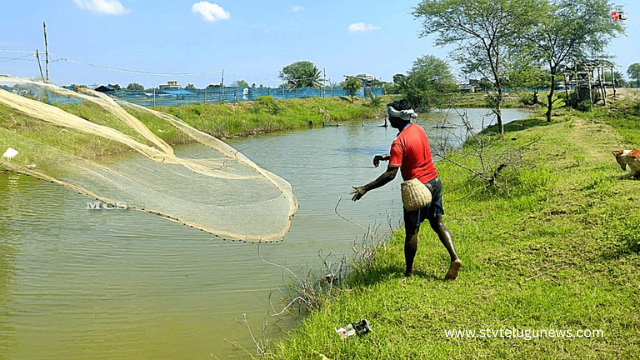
x=415, y=195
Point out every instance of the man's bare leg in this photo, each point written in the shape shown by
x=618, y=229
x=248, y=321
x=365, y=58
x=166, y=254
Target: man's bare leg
x=410, y=247
x=445, y=238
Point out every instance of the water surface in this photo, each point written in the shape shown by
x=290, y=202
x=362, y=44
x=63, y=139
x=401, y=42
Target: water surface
x=119, y=284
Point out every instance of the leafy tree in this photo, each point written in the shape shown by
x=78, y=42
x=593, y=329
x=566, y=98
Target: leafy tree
x=114, y=86
x=135, y=86
x=572, y=29
x=240, y=83
x=634, y=72
x=300, y=74
x=75, y=87
x=426, y=82
x=351, y=86
x=398, y=79
x=485, y=85
x=527, y=75
x=619, y=77
x=483, y=33
x=190, y=87
x=213, y=86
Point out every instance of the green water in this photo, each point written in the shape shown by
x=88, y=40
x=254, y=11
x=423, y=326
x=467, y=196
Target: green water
x=77, y=283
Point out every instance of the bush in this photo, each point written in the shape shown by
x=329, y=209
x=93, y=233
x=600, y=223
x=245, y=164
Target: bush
x=584, y=105
x=269, y=103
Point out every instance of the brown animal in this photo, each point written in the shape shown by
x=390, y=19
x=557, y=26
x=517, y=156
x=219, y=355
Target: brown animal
x=631, y=158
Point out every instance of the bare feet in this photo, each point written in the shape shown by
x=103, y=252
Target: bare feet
x=452, y=274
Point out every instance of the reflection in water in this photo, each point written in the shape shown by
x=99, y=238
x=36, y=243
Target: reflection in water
x=118, y=284
x=8, y=208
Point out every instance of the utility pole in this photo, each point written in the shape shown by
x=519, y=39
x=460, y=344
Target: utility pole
x=46, y=49
x=40, y=65
x=324, y=81
x=222, y=87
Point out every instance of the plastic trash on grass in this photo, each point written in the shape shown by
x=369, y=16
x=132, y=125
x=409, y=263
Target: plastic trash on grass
x=10, y=153
x=357, y=328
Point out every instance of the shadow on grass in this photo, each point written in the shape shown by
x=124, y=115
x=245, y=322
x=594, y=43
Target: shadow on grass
x=628, y=245
x=520, y=125
x=388, y=272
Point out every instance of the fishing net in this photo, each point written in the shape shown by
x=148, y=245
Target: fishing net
x=65, y=137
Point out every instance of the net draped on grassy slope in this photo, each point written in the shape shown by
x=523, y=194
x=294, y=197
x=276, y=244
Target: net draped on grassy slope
x=561, y=252
x=221, y=191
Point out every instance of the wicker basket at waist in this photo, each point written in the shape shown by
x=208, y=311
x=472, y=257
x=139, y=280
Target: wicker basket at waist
x=415, y=195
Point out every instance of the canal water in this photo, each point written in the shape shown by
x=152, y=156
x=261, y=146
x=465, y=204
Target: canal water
x=77, y=283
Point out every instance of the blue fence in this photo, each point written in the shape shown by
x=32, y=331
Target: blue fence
x=229, y=94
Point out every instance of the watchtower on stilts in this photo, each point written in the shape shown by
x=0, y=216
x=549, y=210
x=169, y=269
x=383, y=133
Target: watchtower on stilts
x=588, y=78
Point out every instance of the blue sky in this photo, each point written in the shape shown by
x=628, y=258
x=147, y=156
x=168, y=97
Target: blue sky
x=250, y=40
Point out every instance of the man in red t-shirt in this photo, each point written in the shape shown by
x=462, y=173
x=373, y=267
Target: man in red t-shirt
x=410, y=152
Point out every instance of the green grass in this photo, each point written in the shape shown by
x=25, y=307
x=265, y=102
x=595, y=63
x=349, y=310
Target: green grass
x=559, y=251
x=44, y=144
x=478, y=100
x=248, y=118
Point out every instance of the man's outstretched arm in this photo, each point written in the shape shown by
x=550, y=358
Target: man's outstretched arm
x=382, y=180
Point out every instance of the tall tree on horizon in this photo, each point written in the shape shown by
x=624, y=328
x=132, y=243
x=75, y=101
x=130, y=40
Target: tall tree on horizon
x=483, y=33
x=572, y=29
x=300, y=74
x=634, y=72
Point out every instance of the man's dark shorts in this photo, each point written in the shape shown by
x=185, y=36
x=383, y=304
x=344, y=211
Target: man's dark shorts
x=413, y=219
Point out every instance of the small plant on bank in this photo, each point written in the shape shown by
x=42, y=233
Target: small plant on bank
x=351, y=86
x=584, y=105
x=375, y=101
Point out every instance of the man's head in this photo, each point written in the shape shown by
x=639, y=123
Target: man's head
x=400, y=113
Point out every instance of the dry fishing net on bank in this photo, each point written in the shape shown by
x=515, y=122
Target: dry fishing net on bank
x=70, y=137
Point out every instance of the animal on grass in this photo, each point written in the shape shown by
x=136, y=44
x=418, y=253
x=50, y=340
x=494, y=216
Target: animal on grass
x=630, y=158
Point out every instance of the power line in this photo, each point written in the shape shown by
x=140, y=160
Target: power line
x=59, y=58
x=18, y=51
x=18, y=58
x=134, y=71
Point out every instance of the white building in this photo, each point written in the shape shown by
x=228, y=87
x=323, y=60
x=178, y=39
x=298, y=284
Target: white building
x=171, y=85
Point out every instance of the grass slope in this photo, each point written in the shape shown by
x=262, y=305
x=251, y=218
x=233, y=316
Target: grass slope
x=561, y=251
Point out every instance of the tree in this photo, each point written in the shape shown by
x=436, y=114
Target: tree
x=572, y=29
x=240, y=83
x=618, y=76
x=426, y=82
x=190, y=87
x=528, y=76
x=114, y=86
x=483, y=33
x=351, y=86
x=214, y=86
x=135, y=86
x=300, y=74
x=634, y=72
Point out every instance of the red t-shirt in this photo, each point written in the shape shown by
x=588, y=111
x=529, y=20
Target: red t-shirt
x=410, y=152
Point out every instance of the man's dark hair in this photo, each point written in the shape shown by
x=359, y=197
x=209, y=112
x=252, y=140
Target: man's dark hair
x=400, y=105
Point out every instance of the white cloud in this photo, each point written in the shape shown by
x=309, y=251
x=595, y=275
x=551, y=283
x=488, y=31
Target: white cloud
x=362, y=27
x=297, y=8
x=110, y=7
x=210, y=12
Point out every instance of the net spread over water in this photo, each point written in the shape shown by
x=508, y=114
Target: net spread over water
x=219, y=190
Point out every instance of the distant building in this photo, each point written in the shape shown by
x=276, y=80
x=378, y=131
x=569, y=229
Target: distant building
x=171, y=85
x=466, y=88
x=103, y=88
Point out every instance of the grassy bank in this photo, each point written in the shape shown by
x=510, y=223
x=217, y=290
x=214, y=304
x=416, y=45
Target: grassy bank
x=219, y=120
x=267, y=115
x=558, y=250
x=479, y=100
